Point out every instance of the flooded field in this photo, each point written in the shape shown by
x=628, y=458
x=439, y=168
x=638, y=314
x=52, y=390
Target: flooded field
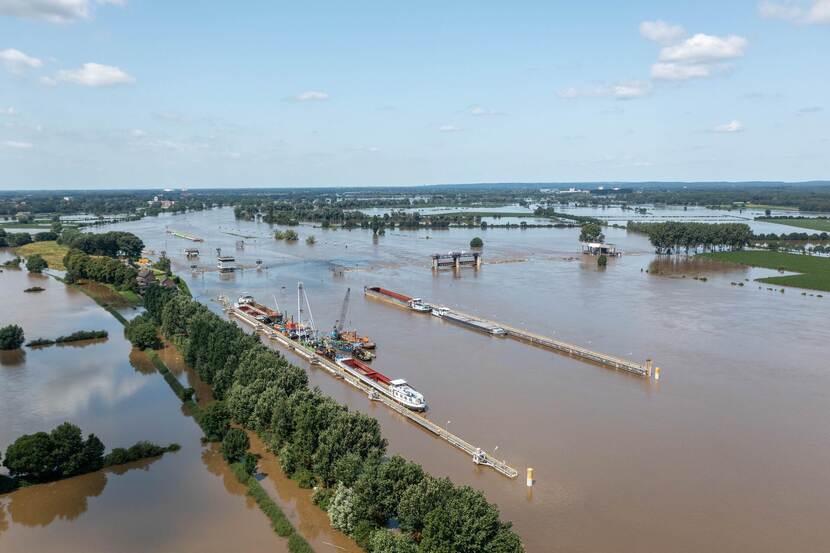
x=729, y=451
x=187, y=501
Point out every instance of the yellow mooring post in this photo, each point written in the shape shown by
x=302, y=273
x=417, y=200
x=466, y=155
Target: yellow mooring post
x=529, y=477
x=656, y=373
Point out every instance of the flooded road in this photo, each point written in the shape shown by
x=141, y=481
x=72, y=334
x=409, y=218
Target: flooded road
x=729, y=451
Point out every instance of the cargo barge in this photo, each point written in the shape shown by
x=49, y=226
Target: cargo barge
x=475, y=324
x=401, y=300
x=397, y=390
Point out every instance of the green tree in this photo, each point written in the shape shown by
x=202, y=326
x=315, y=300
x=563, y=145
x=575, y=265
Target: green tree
x=11, y=337
x=591, y=232
x=142, y=333
x=387, y=541
x=235, y=444
x=310, y=240
x=30, y=456
x=36, y=264
x=215, y=421
x=476, y=242
x=342, y=512
x=602, y=261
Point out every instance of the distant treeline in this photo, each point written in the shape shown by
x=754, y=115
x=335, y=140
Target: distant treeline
x=74, y=337
x=17, y=239
x=63, y=453
x=791, y=236
x=321, y=443
x=671, y=237
x=551, y=212
x=111, y=244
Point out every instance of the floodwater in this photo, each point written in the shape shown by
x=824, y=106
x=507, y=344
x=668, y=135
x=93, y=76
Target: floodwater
x=729, y=451
x=186, y=501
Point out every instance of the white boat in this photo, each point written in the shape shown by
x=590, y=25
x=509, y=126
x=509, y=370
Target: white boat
x=417, y=304
x=397, y=390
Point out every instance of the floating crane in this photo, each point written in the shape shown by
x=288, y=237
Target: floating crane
x=338, y=325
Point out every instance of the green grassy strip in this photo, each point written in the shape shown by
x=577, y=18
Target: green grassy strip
x=814, y=271
x=819, y=225
x=280, y=524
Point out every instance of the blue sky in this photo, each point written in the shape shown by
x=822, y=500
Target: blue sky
x=140, y=93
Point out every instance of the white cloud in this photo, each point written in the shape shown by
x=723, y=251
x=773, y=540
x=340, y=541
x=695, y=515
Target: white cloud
x=56, y=11
x=704, y=48
x=449, y=128
x=481, y=111
x=17, y=145
x=138, y=133
x=622, y=91
x=662, y=32
x=803, y=111
x=311, y=96
x=680, y=71
x=92, y=74
x=816, y=13
x=698, y=56
x=732, y=126
x=8, y=111
x=18, y=62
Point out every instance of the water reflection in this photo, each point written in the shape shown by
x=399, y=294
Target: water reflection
x=13, y=358
x=68, y=499
x=690, y=265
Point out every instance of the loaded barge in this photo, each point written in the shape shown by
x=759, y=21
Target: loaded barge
x=401, y=300
x=397, y=390
x=475, y=324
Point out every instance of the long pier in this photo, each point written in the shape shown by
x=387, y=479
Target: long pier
x=479, y=456
x=546, y=342
x=185, y=235
x=481, y=324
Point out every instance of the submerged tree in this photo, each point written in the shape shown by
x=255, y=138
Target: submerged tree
x=11, y=337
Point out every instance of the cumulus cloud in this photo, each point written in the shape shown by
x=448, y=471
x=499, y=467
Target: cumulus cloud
x=698, y=56
x=816, y=12
x=732, y=126
x=310, y=96
x=92, y=74
x=622, y=91
x=662, y=32
x=704, y=48
x=54, y=11
x=17, y=145
x=449, y=128
x=17, y=62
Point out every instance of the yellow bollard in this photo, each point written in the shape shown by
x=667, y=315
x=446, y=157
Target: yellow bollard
x=529, y=477
x=656, y=373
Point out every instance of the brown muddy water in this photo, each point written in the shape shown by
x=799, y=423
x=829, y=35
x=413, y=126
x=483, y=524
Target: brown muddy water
x=184, y=501
x=729, y=451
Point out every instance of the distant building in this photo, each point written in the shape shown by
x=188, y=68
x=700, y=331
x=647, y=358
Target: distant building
x=169, y=283
x=599, y=248
x=145, y=278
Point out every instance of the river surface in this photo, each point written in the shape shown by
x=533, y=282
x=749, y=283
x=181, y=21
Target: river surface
x=187, y=501
x=729, y=451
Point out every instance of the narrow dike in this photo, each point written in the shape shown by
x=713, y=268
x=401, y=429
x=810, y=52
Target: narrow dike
x=279, y=522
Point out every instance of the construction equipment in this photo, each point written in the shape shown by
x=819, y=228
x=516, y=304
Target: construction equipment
x=338, y=324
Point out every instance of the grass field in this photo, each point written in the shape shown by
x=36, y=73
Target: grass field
x=814, y=272
x=50, y=250
x=819, y=225
x=771, y=207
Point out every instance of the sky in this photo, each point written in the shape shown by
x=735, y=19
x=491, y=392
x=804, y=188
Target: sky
x=148, y=94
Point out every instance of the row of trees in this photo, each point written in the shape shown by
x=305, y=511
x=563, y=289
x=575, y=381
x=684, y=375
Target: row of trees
x=17, y=239
x=79, y=265
x=110, y=244
x=671, y=237
x=792, y=236
x=63, y=453
x=322, y=443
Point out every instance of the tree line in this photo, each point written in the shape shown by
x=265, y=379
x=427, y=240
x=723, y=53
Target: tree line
x=321, y=443
x=63, y=453
x=17, y=239
x=107, y=270
x=671, y=237
x=110, y=244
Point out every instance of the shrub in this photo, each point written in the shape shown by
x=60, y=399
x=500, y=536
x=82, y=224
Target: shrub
x=36, y=264
x=476, y=242
x=249, y=463
x=141, y=331
x=602, y=261
x=310, y=240
x=235, y=444
x=11, y=337
x=215, y=421
x=34, y=289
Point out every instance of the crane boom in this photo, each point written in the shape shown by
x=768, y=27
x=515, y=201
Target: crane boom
x=338, y=326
